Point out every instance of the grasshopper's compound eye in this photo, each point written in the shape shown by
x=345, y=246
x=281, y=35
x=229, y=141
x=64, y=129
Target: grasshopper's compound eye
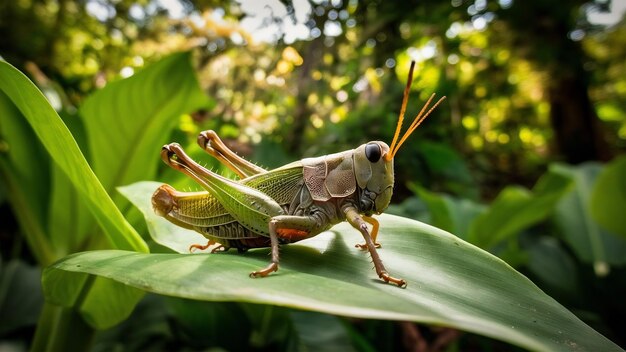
x=372, y=152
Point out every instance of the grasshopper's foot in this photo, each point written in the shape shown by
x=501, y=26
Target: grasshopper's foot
x=201, y=247
x=387, y=278
x=363, y=246
x=264, y=272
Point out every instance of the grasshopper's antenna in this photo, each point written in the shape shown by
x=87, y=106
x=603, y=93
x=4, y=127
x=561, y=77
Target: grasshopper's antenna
x=405, y=99
x=395, y=145
x=418, y=120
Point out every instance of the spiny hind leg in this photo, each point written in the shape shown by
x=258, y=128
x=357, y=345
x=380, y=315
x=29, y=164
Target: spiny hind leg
x=374, y=233
x=212, y=144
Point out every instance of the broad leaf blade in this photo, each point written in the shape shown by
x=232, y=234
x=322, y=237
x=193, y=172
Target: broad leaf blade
x=449, y=213
x=591, y=243
x=23, y=166
x=162, y=231
x=129, y=120
x=62, y=147
x=451, y=283
x=608, y=197
x=69, y=219
x=102, y=302
x=516, y=209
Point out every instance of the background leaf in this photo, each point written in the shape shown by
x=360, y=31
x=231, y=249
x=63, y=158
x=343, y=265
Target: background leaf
x=162, y=231
x=608, y=197
x=516, y=209
x=448, y=213
x=450, y=282
x=20, y=295
x=591, y=243
x=62, y=148
x=128, y=119
x=23, y=166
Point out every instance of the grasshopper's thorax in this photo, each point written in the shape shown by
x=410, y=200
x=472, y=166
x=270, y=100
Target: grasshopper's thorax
x=374, y=176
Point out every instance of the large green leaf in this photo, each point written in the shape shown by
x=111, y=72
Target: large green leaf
x=62, y=148
x=450, y=282
x=449, y=213
x=69, y=165
x=24, y=167
x=590, y=242
x=516, y=208
x=162, y=231
x=608, y=197
x=129, y=120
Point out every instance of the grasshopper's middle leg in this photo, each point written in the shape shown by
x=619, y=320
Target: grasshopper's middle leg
x=289, y=228
x=212, y=144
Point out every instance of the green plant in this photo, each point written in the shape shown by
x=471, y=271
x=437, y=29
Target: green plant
x=61, y=204
x=451, y=282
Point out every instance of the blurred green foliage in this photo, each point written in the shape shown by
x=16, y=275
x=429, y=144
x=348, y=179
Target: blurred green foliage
x=529, y=84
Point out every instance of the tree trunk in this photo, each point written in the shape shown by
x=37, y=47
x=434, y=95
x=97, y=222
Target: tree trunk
x=574, y=121
x=302, y=112
x=541, y=32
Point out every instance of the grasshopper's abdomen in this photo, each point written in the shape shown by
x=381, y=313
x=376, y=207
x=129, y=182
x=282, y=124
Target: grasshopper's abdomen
x=191, y=210
x=234, y=235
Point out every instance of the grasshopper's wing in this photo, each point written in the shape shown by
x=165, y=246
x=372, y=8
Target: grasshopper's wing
x=202, y=210
x=281, y=184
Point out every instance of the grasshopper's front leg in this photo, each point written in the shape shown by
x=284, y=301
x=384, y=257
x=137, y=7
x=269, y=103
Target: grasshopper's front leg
x=374, y=233
x=212, y=144
x=353, y=217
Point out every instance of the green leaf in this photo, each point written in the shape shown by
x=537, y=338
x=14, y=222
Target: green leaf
x=553, y=265
x=516, y=209
x=449, y=213
x=589, y=242
x=210, y=323
x=608, y=197
x=321, y=332
x=69, y=219
x=24, y=167
x=129, y=120
x=62, y=148
x=21, y=299
x=450, y=283
x=102, y=302
x=162, y=231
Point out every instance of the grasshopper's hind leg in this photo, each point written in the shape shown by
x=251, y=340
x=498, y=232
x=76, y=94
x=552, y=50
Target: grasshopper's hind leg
x=212, y=144
x=250, y=207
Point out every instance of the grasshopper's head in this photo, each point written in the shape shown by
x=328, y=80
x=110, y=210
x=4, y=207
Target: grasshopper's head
x=373, y=161
x=374, y=175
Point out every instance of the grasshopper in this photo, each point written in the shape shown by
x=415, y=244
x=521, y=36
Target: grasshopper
x=267, y=208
